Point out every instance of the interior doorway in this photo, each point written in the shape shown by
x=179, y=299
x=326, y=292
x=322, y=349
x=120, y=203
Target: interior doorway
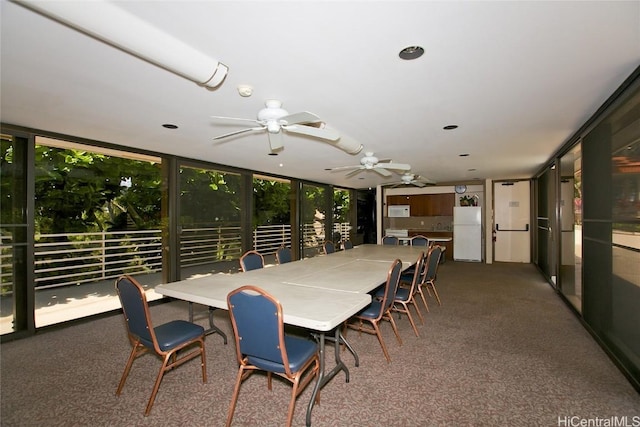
x=511, y=226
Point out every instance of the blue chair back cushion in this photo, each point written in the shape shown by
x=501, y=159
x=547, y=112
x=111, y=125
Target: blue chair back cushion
x=259, y=329
x=432, y=267
x=252, y=262
x=329, y=247
x=284, y=255
x=420, y=241
x=394, y=280
x=134, y=309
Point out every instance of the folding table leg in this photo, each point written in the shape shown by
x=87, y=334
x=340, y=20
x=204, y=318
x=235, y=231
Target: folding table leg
x=213, y=329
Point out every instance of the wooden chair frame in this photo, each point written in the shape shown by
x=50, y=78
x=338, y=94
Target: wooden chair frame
x=170, y=357
x=401, y=304
x=298, y=378
x=372, y=326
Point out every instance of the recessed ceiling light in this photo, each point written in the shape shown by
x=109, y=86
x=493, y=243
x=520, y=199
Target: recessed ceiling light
x=169, y=126
x=464, y=155
x=471, y=170
x=450, y=127
x=411, y=52
x=273, y=154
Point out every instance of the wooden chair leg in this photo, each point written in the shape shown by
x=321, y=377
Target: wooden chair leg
x=156, y=386
x=415, y=305
x=413, y=324
x=395, y=328
x=382, y=344
x=234, y=397
x=424, y=300
x=136, y=351
x=435, y=292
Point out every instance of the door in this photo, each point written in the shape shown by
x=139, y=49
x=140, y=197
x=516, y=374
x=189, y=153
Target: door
x=511, y=223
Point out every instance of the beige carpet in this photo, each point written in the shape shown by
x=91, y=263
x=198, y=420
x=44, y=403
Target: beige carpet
x=502, y=350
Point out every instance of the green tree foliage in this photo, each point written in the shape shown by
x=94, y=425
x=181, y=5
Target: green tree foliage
x=272, y=202
x=341, y=206
x=209, y=197
x=80, y=191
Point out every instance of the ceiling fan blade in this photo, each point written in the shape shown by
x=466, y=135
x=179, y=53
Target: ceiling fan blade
x=299, y=118
x=237, y=132
x=382, y=171
x=354, y=173
x=234, y=118
x=418, y=184
x=341, y=168
x=395, y=166
x=313, y=131
x=276, y=142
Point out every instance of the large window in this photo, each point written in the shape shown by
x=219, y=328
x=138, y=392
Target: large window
x=611, y=231
x=571, y=226
x=97, y=216
x=271, y=223
x=342, y=227
x=13, y=235
x=313, y=219
x=210, y=229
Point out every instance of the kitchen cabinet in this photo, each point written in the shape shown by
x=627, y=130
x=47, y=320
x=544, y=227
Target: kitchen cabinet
x=425, y=204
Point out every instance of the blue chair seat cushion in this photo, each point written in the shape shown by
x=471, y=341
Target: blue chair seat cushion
x=299, y=351
x=175, y=333
x=402, y=294
x=372, y=311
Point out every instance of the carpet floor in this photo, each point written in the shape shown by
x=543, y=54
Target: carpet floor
x=503, y=349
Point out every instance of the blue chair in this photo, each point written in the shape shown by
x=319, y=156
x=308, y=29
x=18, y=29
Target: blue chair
x=328, y=247
x=405, y=295
x=379, y=309
x=283, y=255
x=390, y=240
x=169, y=341
x=251, y=260
x=261, y=345
x=419, y=241
x=429, y=280
x=347, y=244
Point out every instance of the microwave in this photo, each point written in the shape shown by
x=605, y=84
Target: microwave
x=399, y=211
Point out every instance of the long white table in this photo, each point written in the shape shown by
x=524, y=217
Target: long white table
x=317, y=293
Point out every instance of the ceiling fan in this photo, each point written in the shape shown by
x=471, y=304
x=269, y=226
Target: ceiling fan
x=370, y=162
x=409, y=178
x=274, y=119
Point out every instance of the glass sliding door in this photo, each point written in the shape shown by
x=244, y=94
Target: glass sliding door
x=271, y=222
x=545, y=225
x=342, y=221
x=611, y=232
x=16, y=303
x=97, y=216
x=314, y=204
x=209, y=229
x=571, y=227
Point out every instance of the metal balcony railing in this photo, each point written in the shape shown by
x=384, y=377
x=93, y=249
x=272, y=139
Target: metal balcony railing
x=78, y=258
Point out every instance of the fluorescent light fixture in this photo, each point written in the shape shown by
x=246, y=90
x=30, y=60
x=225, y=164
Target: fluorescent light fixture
x=107, y=22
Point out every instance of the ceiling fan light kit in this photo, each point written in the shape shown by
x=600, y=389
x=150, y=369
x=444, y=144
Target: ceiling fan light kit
x=273, y=118
x=371, y=162
x=105, y=21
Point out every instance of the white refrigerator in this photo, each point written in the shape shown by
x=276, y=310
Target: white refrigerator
x=467, y=233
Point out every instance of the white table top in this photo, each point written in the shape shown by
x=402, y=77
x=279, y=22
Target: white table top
x=317, y=293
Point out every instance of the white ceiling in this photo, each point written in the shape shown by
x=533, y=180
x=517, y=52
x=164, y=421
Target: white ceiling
x=519, y=78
